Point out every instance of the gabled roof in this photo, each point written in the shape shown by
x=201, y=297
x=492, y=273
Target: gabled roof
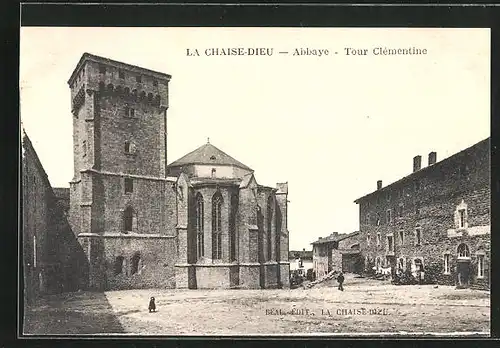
x=422, y=171
x=208, y=154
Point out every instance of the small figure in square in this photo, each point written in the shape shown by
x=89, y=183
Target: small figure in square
x=340, y=279
x=152, y=305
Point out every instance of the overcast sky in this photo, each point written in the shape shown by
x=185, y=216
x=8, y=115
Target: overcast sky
x=331, y=126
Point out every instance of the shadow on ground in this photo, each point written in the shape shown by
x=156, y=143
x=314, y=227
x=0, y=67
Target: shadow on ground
x=71, y=313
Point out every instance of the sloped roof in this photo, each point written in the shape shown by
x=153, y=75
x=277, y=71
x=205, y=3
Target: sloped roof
x=208, y=154
x=303, y=254
x=335, y=237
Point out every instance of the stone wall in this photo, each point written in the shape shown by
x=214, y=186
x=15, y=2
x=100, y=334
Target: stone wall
x=427, y=201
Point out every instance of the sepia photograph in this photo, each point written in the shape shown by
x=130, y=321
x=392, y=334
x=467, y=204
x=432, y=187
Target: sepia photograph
x=251, y=181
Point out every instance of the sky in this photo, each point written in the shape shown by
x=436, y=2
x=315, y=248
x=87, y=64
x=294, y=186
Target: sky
x=329, y=125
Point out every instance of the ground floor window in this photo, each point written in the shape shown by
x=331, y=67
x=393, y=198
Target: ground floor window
x=480, y=266
x=447, y=264
x=118, y=266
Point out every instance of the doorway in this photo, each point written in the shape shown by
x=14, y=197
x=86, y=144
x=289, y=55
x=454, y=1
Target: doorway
x=463, y=273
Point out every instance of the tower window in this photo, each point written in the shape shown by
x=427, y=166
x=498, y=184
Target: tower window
x=118, y=267
x=121, y=74
x=136, y=263
x=129, y=219
x=102, y=69
x=129, y=185
x=138, y=78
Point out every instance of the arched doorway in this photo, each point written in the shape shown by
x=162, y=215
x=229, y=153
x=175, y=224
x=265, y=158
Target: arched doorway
x=463, y=265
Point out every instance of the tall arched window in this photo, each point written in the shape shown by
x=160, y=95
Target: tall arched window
x=129, y=219
x=232, y=227
x=200, y=224
x=269, y=227
x=463, y=251
x=136, y=260
x=217, y=226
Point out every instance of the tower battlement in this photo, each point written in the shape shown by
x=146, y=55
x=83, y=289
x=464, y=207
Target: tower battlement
x=110, y=77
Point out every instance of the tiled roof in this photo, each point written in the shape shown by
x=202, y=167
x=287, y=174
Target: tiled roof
x=335, y=237
x=208, y=154
x=435, y=166
x=303, y=254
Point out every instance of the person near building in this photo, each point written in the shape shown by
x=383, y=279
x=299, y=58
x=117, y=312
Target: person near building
x=340, y=280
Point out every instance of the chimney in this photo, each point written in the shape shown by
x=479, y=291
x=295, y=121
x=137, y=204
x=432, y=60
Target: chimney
x=432, y=158
x=417, y=163
x=379, y=184
x=303, y=249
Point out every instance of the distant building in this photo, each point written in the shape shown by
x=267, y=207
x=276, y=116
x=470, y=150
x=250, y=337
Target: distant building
x=437, y=218
x=337, y=252
x=301, y=260
x=53, y=260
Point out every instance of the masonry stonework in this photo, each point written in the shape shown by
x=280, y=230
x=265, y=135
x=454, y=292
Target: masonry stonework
x=429, y=214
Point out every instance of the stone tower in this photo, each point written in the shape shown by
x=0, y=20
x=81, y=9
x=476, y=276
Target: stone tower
x=121, y=198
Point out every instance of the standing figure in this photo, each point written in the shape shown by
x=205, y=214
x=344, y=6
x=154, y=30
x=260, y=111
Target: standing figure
x=152, y=306
x=340, y=279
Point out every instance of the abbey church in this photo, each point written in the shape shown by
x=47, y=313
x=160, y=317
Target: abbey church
x=202, y=221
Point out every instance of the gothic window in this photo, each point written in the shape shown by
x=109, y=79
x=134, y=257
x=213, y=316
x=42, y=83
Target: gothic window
x=217, y=226
x=378, y=239
x=388, y=196
x=480, y=266
x=401, y=237
x=269, y=226
x=378, y=219
x=463, y=251
x=129, y=219
x=367, y=219
x=232, y=227
x=118, y=266
x=200, y=241
x=135, y=264
x=368, y=240
x=84, y=148
x=446, y=265
x=129, y=185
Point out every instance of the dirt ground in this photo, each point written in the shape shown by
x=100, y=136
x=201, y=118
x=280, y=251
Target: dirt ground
x=366, y=306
